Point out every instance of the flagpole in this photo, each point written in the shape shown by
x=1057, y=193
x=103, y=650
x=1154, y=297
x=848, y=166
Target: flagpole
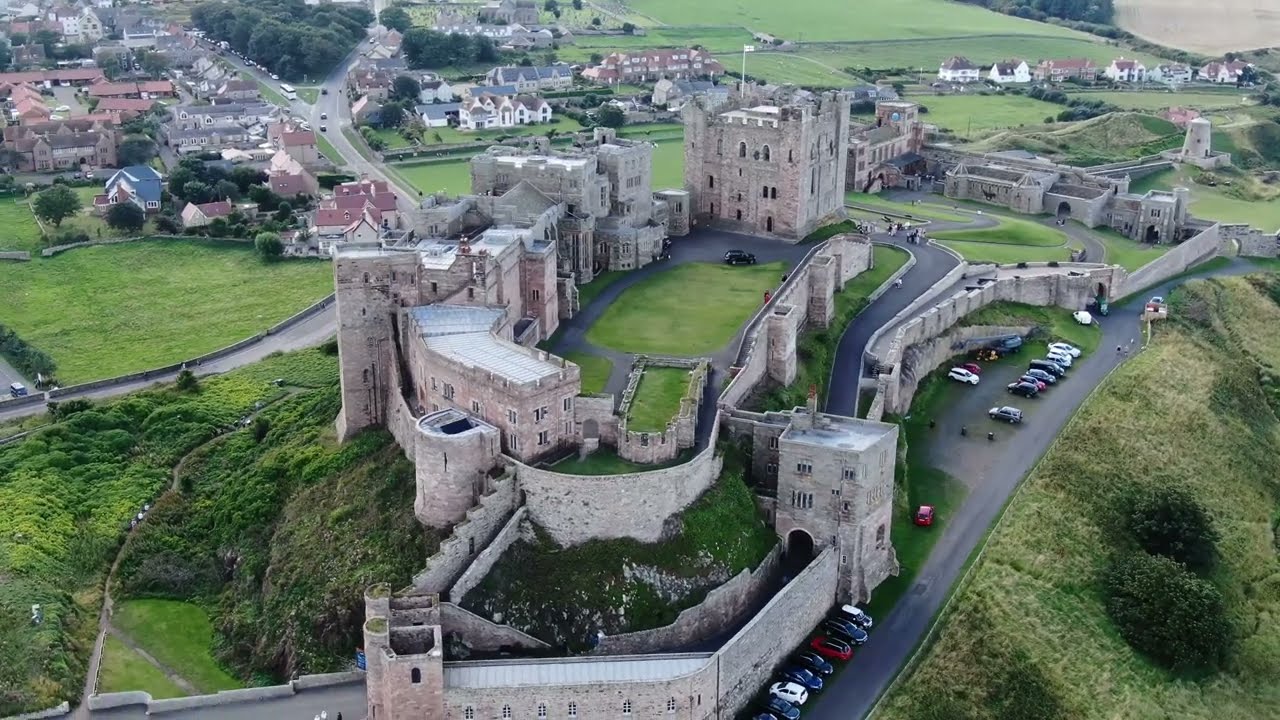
x=742, y=82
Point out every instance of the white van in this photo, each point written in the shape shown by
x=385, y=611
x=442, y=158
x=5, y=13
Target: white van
x=17, y=390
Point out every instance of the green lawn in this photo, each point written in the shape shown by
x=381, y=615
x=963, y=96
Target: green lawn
x=1161, y=99
x=178, y=635
x=451, y=176
x=657, y=398
x=605, y=462
x=20, y=229
x=926, y=55
x=1003, y=254
x=595, y=371
x=1009, y=231
x=927, y=211
x=1056, y=322
x=1212, y=203
x=124, y=670
x=107, y=310
x=587, y=293
x=1127, y=253
x=559, y=124
x=689, y=310
x=309, y=95
x=391, y=138
x=967, y=115
x=790, y=68
x=328, y=150
x=668, y=165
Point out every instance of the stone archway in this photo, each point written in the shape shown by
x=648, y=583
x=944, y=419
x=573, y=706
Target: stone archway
x=1101, y=294
x=1152, y=235
x=1064, y=209
x=768, y=224
x=799, y=548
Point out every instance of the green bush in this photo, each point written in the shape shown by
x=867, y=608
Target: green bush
x=25, y=359
x=1169, y=521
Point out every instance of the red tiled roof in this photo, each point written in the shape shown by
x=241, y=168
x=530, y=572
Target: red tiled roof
x=330, y=217
x=117, y=104
x=362, y=187
x=221, y=208
x=287, y=185
x=297, y=138
x=110, y=89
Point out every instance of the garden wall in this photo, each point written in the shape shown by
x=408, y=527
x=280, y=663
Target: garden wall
x=680, y=432
x=55, y=712
x=475, y=532
x=576, y=508
x=19, y=255
x=1178, y=260
x=481, y=634
x=721, y=608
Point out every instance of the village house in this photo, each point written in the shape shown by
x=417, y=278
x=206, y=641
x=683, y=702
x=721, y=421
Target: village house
x=492, y=111
x=60, y=145
x=1171, y=73
x=1223, y=71
x=180, y=51
x=958, y=69
x=653, y=65
x=237, y=91
x=1081, y=69
x=675, y=93
x=194, y=216
x=188, y=117
x=1010, y=71
x=69, y=77
x=145, y=89
x=438, y=115
x=375, y=84
x=78, y=25
x=1124, y=70
x=366, y=111
x=202, y=139
x=287, y=177
x=124, y=108
x=532, y=79
x=137, y=184
x=297, y=143
x=435, y=91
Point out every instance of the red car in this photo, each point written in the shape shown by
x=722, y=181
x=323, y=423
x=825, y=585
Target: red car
x=924, y=516
x=831, y=648
x=973, y=368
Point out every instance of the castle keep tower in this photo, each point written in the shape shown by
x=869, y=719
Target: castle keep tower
x=404, y=655
x=758, y=167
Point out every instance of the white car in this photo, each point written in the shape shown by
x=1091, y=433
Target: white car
x=1062, y=347
x=1083, y=317
x=789, y=691
x=959, y=373
x=857, y=616
x=1061, y=358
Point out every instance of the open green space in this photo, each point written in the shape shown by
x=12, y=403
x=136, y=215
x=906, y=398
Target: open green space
x=968, y=115
x=1008, y=231
x=619, y=586
x=588, y=293
x=606, y=462
x=450, y=176
x=1109, y=138
x=108, y=310
x=1048, y=639
x=924, y=210
x=328, y=150
x=715, y=38
x=689, y=310
x=668, y=164
x=816, y=349
x=780, y=68
x=179, y=636
x=657, y=398
x=1214, y=203
x=1162, y=99
x=1055, y=324
x=560, y=125
x=1127, y=253
x=391, y=138
x=925, y=55
x=1005, y=254
x=595, y=371
x=20, y=229
x=309, y=95
x=124, y=670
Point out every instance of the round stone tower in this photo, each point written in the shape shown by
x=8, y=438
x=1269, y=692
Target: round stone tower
x=1198, y=140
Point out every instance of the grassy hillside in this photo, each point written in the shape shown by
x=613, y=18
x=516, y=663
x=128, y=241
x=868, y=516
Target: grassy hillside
x=1109, y=138
x=1029, y=634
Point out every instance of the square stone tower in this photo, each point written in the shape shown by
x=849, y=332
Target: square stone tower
x=404, y=655
x=835, y=487
x=771, y=166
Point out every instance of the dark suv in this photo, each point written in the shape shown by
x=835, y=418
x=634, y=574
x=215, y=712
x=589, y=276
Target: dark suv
x=739, y=257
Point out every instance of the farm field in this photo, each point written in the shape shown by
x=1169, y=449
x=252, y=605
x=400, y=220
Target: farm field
x=109, y=310
x=1211, y=29
x=967, y=115
x=791, y=68
x=1213, y=203
x=1160, y=99
x=984, y=50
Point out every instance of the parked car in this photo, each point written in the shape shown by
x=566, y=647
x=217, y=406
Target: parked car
x=324, y=128
x=17, y=389
x=846, y=631
x=1024, y=389
x=1083, y=317
x=1040, y=384
x=1007, y=344
x=324, y=91
x=856, y=616
x=781, y=709
x=1043, y=376
x=739, y=257
x=1062, y=359
x=924, y=516
x=964, y=376
x=1006, y=413
x=1155, y=299
x=973, y=368
x=801, y=676
x=1067, y=348
x=1048, y=366
x=789, y=691
x=831, y=648
x=814, y=663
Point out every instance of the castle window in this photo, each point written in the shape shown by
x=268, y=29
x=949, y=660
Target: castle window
x=791, y=156
x=506, y=712
x=719, y=146
x=471, y=546
x=435, y=288
x=475, y=407
x=539, y=415
x=880, y=537
x=626, y=707
x=742, y=149
x=468, y=713
x=711, y=181
x=671, y=705
x=415, y=676
x=537, y=295
x=544, y=438
x=568, y=404
x=773, y=443
x=764, y=153
x=804, y=468
x=393, y=276
x=768, y=224
x=813, y=181
x=739, y=214
x=850, y=474
x=366, y=278
x=365, y=373
x=845, y=507
x=771, y=468
x=448, y=391
x=644, y=440
x=542, y=710
x=773, y=193
x=764, y=191
x=573, y=709
x=511, y=416
x=471, y=293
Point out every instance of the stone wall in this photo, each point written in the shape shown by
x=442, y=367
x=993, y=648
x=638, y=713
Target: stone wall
x=922, y=358
x=597, y=409
x=680, y=432
x=1178, y=260
x=721, y=608
x=576, y=508
x=468, y=537
x=1251, y=242
x=480, y=567
x=19, y=255
x=481, y=634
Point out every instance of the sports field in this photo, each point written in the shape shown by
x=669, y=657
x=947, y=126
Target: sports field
x=926, y=55
x=967, y=115
x=1161, y=99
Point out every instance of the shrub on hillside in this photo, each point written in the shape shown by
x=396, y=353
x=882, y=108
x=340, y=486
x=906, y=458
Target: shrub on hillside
x=1169, y=521
x=1166, y=612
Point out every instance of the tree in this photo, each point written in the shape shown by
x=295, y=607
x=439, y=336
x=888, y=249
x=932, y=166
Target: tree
x=396, y=18
x=612, y=116
x=551, y=6
x=1165, y=611
x=198, y=192
x=405, y=88
x=126, y=217
x=1169, y=521
x=226, y=190
x=154, y=64
x=577, y=4
x=56, y=204
x=187, y=381
x=596, y=58
x=136, y=150
x=246, y=177
x=628, y=28
x=268, y=245
x=284, y=211
x=6, y=54
x=595, y=21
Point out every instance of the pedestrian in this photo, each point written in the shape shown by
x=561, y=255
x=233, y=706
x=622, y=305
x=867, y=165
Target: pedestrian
x=933, y=424
x=964, y=430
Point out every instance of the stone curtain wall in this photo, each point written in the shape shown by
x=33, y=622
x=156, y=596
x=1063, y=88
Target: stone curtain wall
x=487, y=557
x=223, y=699
x=1252, y=242
x=720, y=609
x=481, y=634
x=681, y=431
x=1207, y=244
x=468, y=538
x=576, y=508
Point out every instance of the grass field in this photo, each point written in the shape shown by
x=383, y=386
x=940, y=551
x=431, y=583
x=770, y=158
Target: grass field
x=108, y=310
x=309, y=95
x=1127, y=253
x=20, y=229
x=926, y=211
x=925, y=55
x=1212, y=203
x=668, y=164
x=123, y=670
x=657, y=398
x=791, y=68
x=967, y=115
x=1209, y=29
x=595, y=371
x=689, y=310
x=433, y=136
x=1160, y=99
x=1035, y=594
x=328, y=150
x=1003, y=254
x=1008, y=231
x=605, y=462
x=179, y=636
x=392, y=139
x=451, y=176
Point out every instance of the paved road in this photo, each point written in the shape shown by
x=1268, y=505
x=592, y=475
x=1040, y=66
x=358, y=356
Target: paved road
x=8, y=376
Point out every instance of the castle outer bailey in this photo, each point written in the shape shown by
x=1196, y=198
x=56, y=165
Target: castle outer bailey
x=767, y=165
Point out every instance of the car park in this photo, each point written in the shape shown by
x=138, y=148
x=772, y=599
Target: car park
x=1043, y=376
x=923, y=516
x=780, y=709
x=846, y=631
x=1061, y=358
x=1067, y=348
x=801, y=677
x=856, y=616
x=789, y=691
x=1048, y=366
x=1024, y=389
x=739, y=257
x=973, y=368
x=964, y=376
x=1040, y=384
x=1006, y=413
x=831, y=648
x=814, y=663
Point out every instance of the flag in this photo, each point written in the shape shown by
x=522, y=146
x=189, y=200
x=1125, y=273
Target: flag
x=748, y=48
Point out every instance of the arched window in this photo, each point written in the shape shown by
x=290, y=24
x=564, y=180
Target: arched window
x=742, y=149
x=773, y=193
x=506, y=712
x=719, y=146
x=764, y=153
x=415, y=676
x=626, y=707
x=542, y=710
x=768, y=224
x=764, y=191
x=469, y=713
x=573, y=709
x=880, y=538
x=671, y=705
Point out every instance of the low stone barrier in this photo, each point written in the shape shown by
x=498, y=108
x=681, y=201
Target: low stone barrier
x=54, y=712
x=18, y=255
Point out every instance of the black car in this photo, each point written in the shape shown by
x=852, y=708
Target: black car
x=1043, y=376
x=1048, y=366
x=814, y=663
x=1025, y=389
x=780, y=708
x=739, y=257
x=801, y=677
x=845, y=630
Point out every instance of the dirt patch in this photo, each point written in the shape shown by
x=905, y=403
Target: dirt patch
x=1202, y=27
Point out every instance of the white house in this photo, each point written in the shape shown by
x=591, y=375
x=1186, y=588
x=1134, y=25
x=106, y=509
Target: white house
x=958, y=69
x=437, y=115
x=491, y=111
x=1170, y=74
x=1221, y=71
x=1010, y=71
x=1124, y=70
x=435, y=91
